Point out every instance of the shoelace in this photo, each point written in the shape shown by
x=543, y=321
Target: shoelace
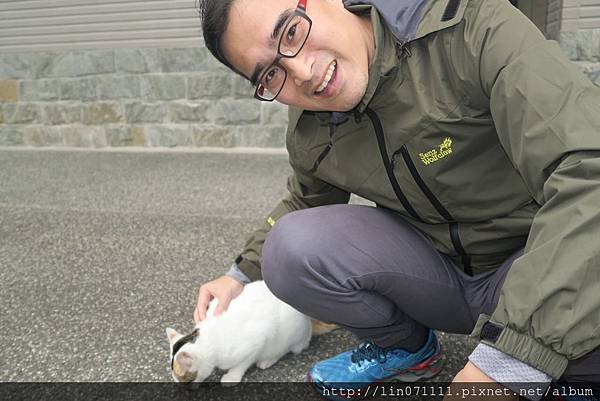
x=368, y=351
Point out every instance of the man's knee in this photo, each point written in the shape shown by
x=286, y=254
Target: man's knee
x=286, y=252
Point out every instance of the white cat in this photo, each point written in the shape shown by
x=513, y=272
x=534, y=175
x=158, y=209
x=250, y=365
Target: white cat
x=257, y=328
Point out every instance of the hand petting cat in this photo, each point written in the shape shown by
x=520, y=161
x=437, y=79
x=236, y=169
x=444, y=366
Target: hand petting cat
x=257, y=329
x=224, y=289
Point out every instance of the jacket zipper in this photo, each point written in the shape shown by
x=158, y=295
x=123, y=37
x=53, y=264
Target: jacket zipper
x=389, y=166
x=452, y=223
x=325, y=151
x=331, y=127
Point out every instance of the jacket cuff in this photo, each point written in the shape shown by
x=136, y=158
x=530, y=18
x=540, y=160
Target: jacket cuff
x=520, y=346
x=235, y=273
x=521, y=378
x=250, y=270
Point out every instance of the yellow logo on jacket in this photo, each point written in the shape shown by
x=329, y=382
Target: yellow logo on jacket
x=444, y=149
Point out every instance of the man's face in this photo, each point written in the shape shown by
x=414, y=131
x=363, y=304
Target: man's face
x=338, y=41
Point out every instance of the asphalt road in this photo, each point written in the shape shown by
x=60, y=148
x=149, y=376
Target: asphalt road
x=100, y=251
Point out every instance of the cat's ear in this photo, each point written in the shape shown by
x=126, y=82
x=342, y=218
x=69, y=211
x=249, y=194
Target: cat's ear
x=184, y=360
x=172, y=335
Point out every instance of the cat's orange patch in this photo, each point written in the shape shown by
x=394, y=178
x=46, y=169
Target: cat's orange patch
x=182, y=375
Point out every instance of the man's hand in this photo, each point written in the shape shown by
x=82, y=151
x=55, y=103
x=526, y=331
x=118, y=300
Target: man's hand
x=472, y=384
x=224, y=288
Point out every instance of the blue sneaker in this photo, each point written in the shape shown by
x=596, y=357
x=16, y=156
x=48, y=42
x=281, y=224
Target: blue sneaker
x=355, y=370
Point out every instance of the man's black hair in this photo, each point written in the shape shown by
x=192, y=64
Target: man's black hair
x=214, y=15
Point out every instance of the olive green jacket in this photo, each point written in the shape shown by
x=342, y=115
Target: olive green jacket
x=481, y=134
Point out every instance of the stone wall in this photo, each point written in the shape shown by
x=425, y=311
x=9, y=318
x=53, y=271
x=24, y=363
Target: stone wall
x=131, y=97
x=575, y=24
x=152, y=97
x=583, y=47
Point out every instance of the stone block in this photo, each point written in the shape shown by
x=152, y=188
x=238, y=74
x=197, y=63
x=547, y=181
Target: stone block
x=36, y=135
x=94, y=62
x=9, y=90
x=102, y=113
x=209, y=85
x=169, y=135
x=84, y=136
x=139, y=136
x=214, y=136
x=21, y=113
x=137, y=112
x=83, y=89
x=568, y=42
x=588, y=45
x=189, y=112
x=210, y=63
x=260, y=136
x=15, y=65
x=274, y=113
x=124, y=135
x=118, y=135
x=185, y=59
x=137, y=60
x=42, y=63
x=242, y=87
x=76, y=63
x=163, y=87
x=61, y=113
x=234, y=112
x=117, y=87
x=40, y=89
x=11, y=135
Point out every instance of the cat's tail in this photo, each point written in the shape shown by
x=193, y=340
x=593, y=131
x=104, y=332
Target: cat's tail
x=319, y=328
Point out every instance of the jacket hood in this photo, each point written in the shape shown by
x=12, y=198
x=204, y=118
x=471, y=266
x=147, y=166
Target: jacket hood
x=401, y=17
x=409, y=20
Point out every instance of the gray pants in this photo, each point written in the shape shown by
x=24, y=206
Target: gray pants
x=369, y=271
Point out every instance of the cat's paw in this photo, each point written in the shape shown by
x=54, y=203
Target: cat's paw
x=266, y=364
x=230, y=379
x=298, y=349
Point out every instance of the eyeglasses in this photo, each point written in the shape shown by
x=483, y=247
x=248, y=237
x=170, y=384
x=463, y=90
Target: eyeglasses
x=291, y=41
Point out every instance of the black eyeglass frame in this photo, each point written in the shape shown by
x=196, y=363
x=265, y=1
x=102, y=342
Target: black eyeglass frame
x=301, y=12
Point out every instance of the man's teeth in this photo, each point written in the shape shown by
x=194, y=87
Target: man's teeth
x=328, y=76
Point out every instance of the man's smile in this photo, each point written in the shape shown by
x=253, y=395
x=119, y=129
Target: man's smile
x=327, y=86
x=328, y=76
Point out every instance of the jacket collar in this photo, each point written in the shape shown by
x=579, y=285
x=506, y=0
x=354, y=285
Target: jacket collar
x=385, y=57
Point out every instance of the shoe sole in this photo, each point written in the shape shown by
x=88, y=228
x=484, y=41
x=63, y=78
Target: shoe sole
x=425, y=370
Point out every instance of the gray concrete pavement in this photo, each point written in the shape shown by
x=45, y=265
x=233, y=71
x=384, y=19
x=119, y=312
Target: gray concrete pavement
x=100, y=251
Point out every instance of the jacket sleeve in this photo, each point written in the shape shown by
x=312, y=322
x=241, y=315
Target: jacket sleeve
x=547, y=116
x=304, y=191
